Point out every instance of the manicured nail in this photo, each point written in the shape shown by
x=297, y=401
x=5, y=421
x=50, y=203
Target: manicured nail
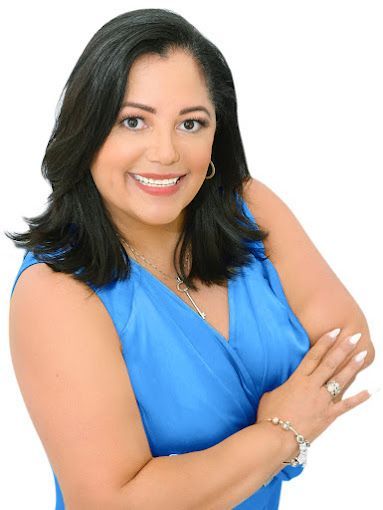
x=334, y=333
x=374, y=390
x=360, y=356
x=354, y=339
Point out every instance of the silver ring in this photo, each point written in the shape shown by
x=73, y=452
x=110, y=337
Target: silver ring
x=333, y=388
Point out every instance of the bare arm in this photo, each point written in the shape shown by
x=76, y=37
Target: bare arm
x=218, y=478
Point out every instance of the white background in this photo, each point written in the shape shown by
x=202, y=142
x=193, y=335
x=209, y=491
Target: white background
x=309, y=83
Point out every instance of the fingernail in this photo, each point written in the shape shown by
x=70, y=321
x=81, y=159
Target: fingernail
x=334, y=333
x=354, y=338
x=374, y=390
x=360, y=356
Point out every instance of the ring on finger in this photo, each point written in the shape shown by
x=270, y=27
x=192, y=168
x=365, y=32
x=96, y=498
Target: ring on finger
x=333, y=387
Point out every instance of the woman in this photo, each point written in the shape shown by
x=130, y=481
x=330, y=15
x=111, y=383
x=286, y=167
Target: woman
x=150, y=333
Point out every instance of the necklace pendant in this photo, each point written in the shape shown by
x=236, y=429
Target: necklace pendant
x=178, y=278
x=202, y=314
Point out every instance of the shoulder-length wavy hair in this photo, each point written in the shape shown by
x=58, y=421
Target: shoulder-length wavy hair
x=75, y=234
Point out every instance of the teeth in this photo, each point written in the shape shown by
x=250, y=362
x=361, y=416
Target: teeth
x=159, y=182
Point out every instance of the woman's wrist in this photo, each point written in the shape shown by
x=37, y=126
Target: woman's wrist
x=286, y=438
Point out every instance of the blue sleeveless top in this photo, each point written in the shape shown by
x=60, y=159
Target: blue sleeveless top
x=193, y=387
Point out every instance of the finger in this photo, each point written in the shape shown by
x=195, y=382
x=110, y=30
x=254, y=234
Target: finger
x=348, y=373
x=314, y=355
x=348, y=403
x=332, y=359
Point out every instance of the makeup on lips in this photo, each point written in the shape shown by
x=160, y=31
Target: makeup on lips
x=160, y=187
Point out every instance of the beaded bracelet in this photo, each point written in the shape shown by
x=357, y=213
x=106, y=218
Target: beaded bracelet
x=301, y=459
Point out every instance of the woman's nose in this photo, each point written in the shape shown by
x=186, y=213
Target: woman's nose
x=163, y=149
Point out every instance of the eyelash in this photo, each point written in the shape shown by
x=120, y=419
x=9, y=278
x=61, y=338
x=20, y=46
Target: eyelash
x=203, y=122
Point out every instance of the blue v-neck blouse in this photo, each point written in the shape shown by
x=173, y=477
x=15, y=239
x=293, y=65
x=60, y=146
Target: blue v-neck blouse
x=193, y=387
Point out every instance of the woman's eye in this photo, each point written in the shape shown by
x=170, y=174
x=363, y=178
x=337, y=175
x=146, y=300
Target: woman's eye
x=131, y=123
x=191, y=123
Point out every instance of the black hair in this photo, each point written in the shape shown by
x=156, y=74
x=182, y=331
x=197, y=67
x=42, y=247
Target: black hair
x=76, y=234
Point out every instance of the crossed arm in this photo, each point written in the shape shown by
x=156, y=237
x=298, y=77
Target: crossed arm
x=316, y=295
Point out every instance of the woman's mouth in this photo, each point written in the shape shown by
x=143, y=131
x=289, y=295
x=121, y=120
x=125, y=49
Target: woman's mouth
x=159, y=187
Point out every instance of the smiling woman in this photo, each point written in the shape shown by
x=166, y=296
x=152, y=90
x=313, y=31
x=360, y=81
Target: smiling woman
x=166, y=107
x=165, y=139
x=146, y=396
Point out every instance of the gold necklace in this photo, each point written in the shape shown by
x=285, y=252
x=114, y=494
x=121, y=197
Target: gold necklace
x=178, y=279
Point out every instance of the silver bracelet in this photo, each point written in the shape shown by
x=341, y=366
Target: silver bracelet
x=301, y=459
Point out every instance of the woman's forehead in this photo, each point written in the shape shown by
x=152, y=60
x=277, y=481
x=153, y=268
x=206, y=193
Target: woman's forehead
x=172, y=81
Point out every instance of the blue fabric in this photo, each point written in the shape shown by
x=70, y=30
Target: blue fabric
x=194, y=388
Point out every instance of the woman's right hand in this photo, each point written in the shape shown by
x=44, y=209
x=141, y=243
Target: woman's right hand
x=303, y=399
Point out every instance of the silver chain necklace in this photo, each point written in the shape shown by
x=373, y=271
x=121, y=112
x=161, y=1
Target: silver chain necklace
x=167, y=277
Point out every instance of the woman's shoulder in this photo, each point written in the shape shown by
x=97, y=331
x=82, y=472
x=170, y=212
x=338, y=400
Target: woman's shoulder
x=46, y=291
x=259, y=198
x=40, y=291
x=39, y=277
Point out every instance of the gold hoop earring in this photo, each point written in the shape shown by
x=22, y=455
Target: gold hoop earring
x=213, y=171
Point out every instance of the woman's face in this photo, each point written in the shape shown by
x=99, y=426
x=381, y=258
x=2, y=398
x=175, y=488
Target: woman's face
x=164, y=142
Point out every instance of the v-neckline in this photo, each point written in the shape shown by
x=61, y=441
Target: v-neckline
x=193, y=311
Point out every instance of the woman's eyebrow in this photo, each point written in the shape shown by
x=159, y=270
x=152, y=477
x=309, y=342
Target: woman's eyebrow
x=153, y=110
